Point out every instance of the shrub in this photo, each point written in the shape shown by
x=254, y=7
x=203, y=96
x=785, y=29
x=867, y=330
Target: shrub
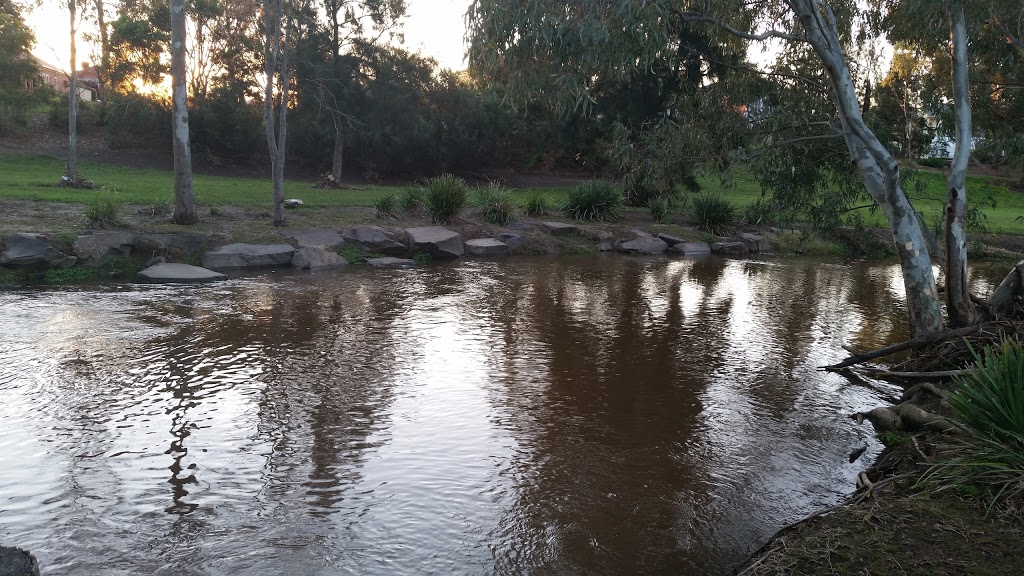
x=990, y=404
x=496, y=203
x=536, y=204
x=594, y=200
x=385, y=206
x=933, y=162
x=410, y=199
x=713, y=214
x=102, y=210
x=446, y=198
x=658, y=207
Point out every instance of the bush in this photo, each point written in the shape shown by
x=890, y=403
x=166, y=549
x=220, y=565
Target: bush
x=410, y=199
x=990, y=404
x=595, y=200
x=385, y=206
x=536, y=204
x=496, y=204
x=713, y=214
x=933, y=162
x=658, y=207
x=102, y=210
x=446, y=198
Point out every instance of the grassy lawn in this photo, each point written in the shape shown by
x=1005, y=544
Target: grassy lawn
x=34, y=178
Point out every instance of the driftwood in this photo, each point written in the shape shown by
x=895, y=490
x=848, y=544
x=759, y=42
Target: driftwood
x=939, y=375
x=919, y=342
x=906, y=417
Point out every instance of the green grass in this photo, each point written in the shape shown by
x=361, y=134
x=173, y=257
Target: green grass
x=34, y=177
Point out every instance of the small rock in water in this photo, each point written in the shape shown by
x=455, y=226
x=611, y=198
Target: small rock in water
x=292, y=203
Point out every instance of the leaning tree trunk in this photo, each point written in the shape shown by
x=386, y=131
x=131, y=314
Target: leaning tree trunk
x=184, y=199
x=959, y=307
x=878, y=168
x=72, y=168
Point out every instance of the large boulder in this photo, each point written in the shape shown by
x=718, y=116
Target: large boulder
x=559, y=228
x=374, y=239
x=691, y=248
x=644, y=245
x=317, y=258
x=239, y=256
x=179, y=274
x=437, y=241
x=390, y=262
x=97, y=248
x=171, y=244
x=597, y=234
x=28, y=249
x=755, y=242
x=328, y=239
x=512, y=240
x=670, y=240
x=486, y=247
x=735, y=249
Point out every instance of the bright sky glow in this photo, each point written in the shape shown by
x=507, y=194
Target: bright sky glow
x=434, y=28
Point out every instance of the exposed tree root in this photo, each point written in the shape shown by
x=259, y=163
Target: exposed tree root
x=76, y=182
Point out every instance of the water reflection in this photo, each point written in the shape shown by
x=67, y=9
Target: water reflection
x=549, y=416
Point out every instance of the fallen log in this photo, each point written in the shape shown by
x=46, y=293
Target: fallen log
x=906, y=345
x=939, y=375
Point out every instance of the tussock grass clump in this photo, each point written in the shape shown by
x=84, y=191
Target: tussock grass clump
x=594, y=200
x=102, y=210
x=410, y=199
x=713, y=214
x=496, y=203
x=659, y=208
x=989, y=454
x=385, y=206
x=536, y=204
x=446, y=198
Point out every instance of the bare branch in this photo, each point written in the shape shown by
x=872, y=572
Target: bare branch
x=698, y=17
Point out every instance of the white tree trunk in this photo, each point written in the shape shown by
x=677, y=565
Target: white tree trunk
x=184, y=198
x=878, y=169
x=275, y=50
x=959, y=307
x=72, y=168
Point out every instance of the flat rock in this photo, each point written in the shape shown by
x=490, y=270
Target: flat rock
x=755, y=242
x=328, y=239
x=317, y=258
x=691, y=248
x=97, y=248
x=179, y=273
x=239, y=256
x=597, y=234
x=737, y=249
x=644, y=245
x=28, y=249
x=375, y=240
x=512, y=240
x=171, y=244
x=638, y=233
x=521, y=226
x=390, y=262
x=670, y=240
x=559, y=228
x=437, y=241
x=486, y=247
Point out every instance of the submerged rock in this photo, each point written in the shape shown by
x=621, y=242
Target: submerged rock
x=375, y=240
x=28, y=249
x=239, y=256
x=437, y=241
x=96, y=248
x=317, y=258
x=691, y=248
x=486, y=247
x=179, y=274
x=390, y=262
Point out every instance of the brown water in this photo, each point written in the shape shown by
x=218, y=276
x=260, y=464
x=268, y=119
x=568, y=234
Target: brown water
x=565, y=416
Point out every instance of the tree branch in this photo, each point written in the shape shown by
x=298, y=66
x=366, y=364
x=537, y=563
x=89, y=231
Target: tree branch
x=698, y=17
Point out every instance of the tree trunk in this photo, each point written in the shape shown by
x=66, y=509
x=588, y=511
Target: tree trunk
x=184, y=199
x=959, y=307
x=878, y=168
x=273, y=13
x=72, y=168
x=339, y=152
x=104, y=66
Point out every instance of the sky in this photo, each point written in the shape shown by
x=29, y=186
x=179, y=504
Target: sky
x=433, y=28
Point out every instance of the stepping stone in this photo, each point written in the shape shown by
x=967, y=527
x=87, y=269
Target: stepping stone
x=670, y=240
x=240, y=256
x=375, y=240
x=390, y=262
x=691, y=248
x=644, y=245
x=439, y=242
x=317, y=258
x=328, y=239
x=559, y=228
x=180, y=274
x=513, y=240
x=486, y=247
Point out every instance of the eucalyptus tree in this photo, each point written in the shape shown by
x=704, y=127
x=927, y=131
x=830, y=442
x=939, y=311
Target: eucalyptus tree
x=277, y=27
x=184, y=198
x=630, y=36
